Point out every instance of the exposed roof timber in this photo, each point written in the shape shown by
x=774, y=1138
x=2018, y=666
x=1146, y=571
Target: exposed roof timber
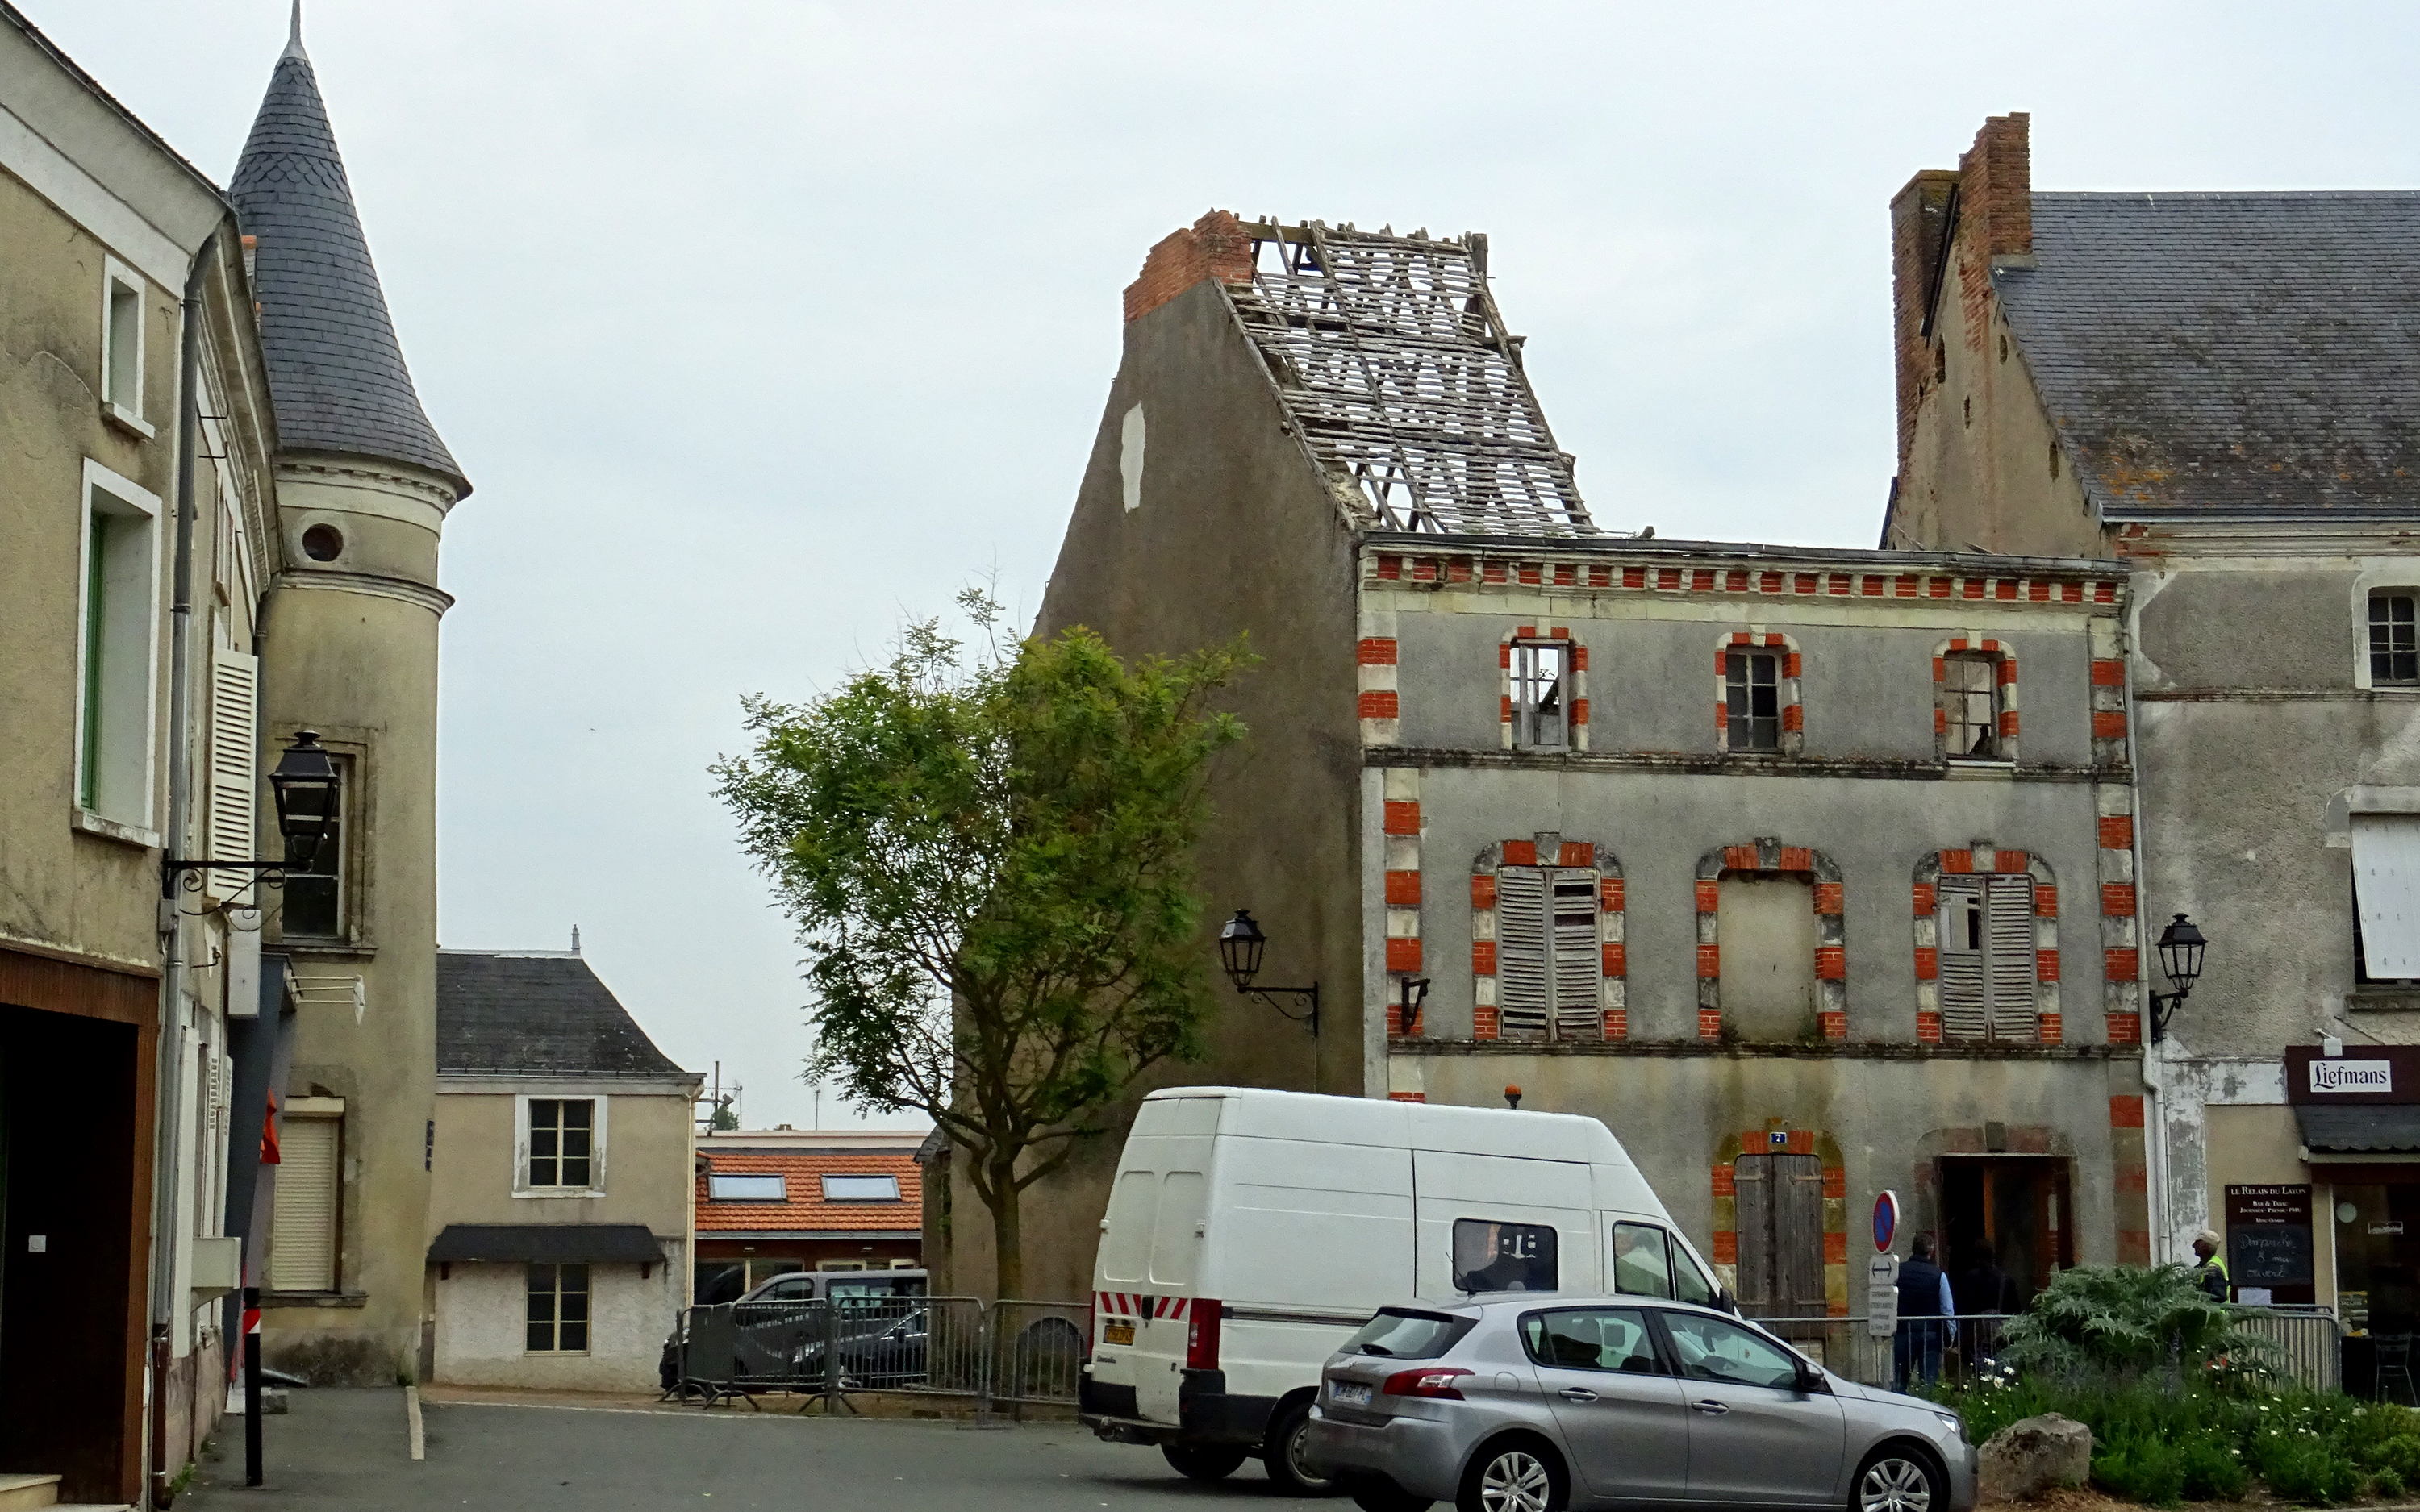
x=1393, y=361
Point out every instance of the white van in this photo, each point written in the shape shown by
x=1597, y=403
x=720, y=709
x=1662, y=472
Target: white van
x=1249, y=1232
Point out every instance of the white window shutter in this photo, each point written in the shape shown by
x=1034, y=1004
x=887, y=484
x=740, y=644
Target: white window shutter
x=2386, y=888
x=234, y=777
x=1523, y=993
x=303, y=1211
x=2009, y=922
x=1579, y=961
x=1961, y=973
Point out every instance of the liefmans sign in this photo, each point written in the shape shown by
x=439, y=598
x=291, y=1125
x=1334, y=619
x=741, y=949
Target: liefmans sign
x=2363, y=1073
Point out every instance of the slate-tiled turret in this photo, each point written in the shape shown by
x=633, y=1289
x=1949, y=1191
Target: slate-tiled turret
x=336, y=369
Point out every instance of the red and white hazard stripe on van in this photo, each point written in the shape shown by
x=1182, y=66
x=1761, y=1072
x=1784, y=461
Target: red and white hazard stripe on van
x=1139, y=1305
x=1198, y=1314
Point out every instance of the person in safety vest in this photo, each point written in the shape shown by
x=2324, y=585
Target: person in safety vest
x=2211, y=1274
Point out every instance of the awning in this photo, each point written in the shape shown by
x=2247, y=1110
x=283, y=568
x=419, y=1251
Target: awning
x=549, y=1243
x=2378, y=1129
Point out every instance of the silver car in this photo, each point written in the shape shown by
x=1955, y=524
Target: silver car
x=1528, y=1403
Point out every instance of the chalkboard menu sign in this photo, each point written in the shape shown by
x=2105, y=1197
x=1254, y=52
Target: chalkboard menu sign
x=2269, y=1242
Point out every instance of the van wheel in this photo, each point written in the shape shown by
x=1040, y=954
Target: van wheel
x=1204, y=1461
x=1516, y=1474
x=1286, y=1453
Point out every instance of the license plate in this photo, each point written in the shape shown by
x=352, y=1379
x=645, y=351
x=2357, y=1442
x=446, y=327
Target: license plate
x=1117, y=1333
x=1349, y=1394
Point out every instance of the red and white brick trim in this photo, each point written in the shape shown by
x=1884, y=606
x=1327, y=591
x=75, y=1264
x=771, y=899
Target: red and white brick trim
x=1378, y=692
x=1548, y=848
x=1400, y=832
x=2049, y=1026
x=1577, y=690
x=2007, y=656
x=1767, y=855
x=1732, y=582
x=1794, y=718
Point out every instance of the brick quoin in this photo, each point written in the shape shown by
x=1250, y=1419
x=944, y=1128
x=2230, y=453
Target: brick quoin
x=1403, y=888
x=1616, y=960
x=1403, y=955
x=1375, y=651
x=2118, y=832
x=1924, y=900
x=1835, y=1180
x=1483, y=890
x=2108, y=724
x=2118, y=898
x=1710, y=961
x=2125, y=1029
x=1482, y=958
x=1520, y=853
x=1382, y=704
x=2125, y=1111
x=2109, y=675
x=1727, y=1181
x=2121, y=964
x=1726, y=1246
x=1575, y=853
x=2052, y=1030
x=1609, y=894
x=1709, y=1023
x=1402, y=816
x=2045, y=900
x=1408, y=1096
x=1835, y=1249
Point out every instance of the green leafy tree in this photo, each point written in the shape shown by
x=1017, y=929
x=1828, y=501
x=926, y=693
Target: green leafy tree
x=990, y=865
x=2124, y=1319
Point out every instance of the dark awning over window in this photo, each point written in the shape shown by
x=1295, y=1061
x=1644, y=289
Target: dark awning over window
x=549, y=1243
x=2379, y=1129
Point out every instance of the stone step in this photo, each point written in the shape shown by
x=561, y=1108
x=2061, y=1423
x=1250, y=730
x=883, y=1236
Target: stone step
x=21, y=1493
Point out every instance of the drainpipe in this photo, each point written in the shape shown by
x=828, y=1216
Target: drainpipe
x=2156, y=1082
x=168, y=1084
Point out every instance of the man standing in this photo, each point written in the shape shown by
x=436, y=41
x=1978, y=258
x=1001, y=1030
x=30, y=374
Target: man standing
x=1925, y=1312
x=2211, y=1274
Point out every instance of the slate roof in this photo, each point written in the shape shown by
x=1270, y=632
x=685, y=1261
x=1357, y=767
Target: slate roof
x=2228, y=353
x=806, y=1209
x=536, y=1014
x=335, y=371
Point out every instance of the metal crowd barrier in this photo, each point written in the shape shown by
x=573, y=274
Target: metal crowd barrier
x=1011, y=1351
x=2307, y=1342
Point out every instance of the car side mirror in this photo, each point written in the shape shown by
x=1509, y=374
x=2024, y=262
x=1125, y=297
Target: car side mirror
x=1811, y=1382
x=1724, y=1300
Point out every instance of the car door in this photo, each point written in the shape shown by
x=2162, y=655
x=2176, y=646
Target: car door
x=1616, y=1399
x=1757, y=1436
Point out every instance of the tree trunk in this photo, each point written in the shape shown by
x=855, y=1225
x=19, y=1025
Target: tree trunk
x=1007, y=1236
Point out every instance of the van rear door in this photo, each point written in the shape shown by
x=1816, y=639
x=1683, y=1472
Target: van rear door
x=1501, y=1223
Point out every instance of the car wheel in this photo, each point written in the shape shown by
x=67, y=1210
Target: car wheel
x=1204, y=1461
x=1898, y=1480
x=1513, y=1476
x=1287, y=1454
x=1386, y=1496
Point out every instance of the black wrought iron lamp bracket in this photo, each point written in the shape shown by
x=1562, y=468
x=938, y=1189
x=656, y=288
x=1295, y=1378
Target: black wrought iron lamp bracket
x=1306, y=997
x=2163, y=1008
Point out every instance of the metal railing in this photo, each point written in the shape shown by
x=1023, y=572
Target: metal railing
x=1954, y=1350
x=1013, y=1351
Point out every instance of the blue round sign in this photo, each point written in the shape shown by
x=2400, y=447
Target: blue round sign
x=1886, y=1221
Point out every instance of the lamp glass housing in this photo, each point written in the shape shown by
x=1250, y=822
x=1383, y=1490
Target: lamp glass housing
x=1240, y=943
x=2180, y=948
x=306, y=786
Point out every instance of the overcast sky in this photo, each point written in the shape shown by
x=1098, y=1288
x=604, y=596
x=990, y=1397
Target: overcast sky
x=757, y=326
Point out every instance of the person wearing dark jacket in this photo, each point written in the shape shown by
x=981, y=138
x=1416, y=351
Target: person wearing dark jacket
x=1925, y=1313
x=1985, y=1288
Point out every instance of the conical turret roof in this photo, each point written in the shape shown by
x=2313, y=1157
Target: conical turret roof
x=335, y=370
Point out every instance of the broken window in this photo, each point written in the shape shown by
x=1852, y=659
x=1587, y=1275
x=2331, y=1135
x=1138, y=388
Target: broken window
x=1541, y=695
x=1970, y=704
x=1549, y=961
x=1752, y=691
x=1987, y=962
x=2394, y=639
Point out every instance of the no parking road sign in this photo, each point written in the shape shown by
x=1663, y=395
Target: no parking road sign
x=1886, y=1221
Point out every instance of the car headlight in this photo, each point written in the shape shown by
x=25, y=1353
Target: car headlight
x=1950, y=1421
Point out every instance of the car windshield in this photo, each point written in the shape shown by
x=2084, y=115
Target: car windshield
x=1401, y=1334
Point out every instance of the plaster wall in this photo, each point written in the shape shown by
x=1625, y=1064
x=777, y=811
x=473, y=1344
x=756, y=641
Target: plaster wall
x=649, y=1164
x=1891, y=1118
x=1231, y=534
x=482, y=1335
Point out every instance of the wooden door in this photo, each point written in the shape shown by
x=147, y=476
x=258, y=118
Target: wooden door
x=1780, y=1205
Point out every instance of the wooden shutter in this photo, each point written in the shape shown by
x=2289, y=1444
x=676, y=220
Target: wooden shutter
x=1752, y=1181
x=302, y=1213
x=1523, y=993
x=234, y=780
x=1961, y=975
x=2009, y=922
x=1579, y=961
x=1798, y=1236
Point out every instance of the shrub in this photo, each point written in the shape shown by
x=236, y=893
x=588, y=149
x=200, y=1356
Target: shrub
x=2141, y=1470
x=2301, y=1466
x=2123, y=1319
x=2214, y=1472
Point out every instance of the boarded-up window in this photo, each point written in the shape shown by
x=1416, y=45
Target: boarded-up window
x=1766, y=926
x=1987, y=958
x=1549, y=961
x=1781, y=1235
x=303, y=1214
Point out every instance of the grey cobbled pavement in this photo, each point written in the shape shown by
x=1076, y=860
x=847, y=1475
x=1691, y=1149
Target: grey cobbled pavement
x=346, y=1451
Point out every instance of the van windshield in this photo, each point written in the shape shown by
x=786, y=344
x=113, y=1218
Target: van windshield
x=1404, y=1334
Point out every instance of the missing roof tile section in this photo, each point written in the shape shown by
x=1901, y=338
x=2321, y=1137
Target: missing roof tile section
x=1392, y=359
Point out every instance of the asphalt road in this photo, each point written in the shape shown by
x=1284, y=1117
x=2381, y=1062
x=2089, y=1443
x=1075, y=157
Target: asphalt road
x=345, y=1451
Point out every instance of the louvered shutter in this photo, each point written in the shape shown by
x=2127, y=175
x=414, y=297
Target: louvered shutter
x=1579, y=964
x=233, y=779
x=302, y=1213
x=1522, y=984
x=2008, y=920
x=1961, y=978
x=1752, y=1183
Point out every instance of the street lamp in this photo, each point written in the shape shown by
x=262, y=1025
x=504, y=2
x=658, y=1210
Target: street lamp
x=308, y=788
x=1240, y=946
x=2180, y=948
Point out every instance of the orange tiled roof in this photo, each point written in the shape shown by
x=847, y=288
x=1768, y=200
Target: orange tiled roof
x=806, y=1209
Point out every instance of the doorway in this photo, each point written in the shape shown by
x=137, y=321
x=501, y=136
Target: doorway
x=2006, y=1228
x=1781, y=1272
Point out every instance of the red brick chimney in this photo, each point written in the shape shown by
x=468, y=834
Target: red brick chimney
x=1214, y=246
x=1919, y=218
x=1995, y=227
x=1995, y=190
